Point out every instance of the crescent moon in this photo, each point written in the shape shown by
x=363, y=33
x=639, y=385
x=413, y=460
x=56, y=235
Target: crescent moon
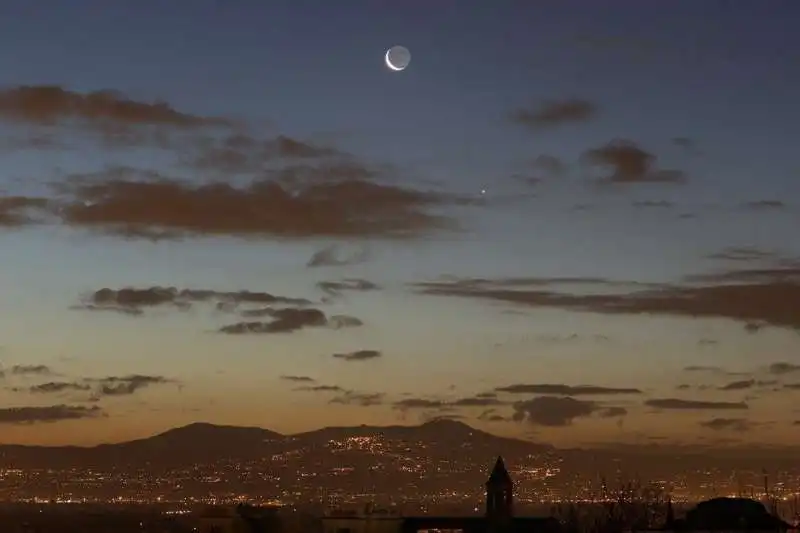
x=389, y=61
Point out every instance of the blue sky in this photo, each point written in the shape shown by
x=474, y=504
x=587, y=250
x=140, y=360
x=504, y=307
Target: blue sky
x=721, y=76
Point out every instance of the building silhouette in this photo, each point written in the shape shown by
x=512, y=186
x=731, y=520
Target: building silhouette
x=498, y=516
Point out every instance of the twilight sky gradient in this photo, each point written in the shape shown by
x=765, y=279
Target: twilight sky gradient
x=623, y=145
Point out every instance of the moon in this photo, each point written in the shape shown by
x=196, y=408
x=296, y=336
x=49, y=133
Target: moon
x=397, y=58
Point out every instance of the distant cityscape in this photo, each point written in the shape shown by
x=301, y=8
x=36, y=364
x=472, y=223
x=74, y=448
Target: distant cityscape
x=434, y=466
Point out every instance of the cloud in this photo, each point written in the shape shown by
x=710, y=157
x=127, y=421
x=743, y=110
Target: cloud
x=554, y=113
x=131, y=300
x=739, y=385
x=53, y=413
x=155, y=207
x=359, y=355
x=479, y=400
x=731, y=424
x=321, y=388
x=629, y=164
x=37, y=370
x=344, y=321
x=763, y=205
x=553, y=411
x=45, y=104
x=418, y=403
x=613, y=412
x=17, y=211
x=239, y=153
x=743, y=254
x=766, y=296
x=106, y=386
x=782, y=367
x=703, y=368
x=298, y=379
x=566, y=390
x=127, y=385
x=335, y=288
x=491, y=415
x=685, y=143
x=334, y=256
x=284, y=321
x=360, y=399
x=58, y=386
x=693, y=405
x=345, y=396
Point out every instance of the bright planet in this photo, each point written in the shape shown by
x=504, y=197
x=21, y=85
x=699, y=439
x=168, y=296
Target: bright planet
x=397, y=58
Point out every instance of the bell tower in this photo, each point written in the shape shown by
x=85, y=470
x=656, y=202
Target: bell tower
x=499, y=495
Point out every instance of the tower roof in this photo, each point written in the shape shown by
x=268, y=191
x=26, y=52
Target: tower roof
x=499, y=473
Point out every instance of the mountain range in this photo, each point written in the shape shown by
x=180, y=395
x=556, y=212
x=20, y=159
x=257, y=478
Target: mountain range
x=202, y=442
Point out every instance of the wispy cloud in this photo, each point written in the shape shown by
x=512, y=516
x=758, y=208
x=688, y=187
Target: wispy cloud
x=555, y=113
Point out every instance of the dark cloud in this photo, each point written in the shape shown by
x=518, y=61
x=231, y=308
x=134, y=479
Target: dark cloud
x=743, y=254
x=127, y=385
x=477, y=401
x=336, y=256
x=739, y=385
x=730, y=424
x=156, y=207
x=344, y=321
x=555, y=113
x=762, y=205
x=283, y=321
x=52, y=104
x=38, y=370
x=629, y=164
x=359, y=355
x=17, y=211
x=613, y=412
x=419, y=403
x=491, y=415
x=240, y=153
x=703, y=368
x=53, y=413
x=686, y=143
x=566, y=390
x=59, y=386
x=107, y=386
x=335, y=288
x=131, y=300
x=553, y=411
x=360, y=399
x=298, y=379
x=767, y=296
x=693, y=405
x=321, y=388
x=782, y=367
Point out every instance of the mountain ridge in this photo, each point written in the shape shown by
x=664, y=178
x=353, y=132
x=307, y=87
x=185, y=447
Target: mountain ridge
x=202, y=428
x=205, y=443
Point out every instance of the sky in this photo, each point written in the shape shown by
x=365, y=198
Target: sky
x=567, y=222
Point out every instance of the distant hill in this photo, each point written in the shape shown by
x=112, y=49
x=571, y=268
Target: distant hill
x=204, y=442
